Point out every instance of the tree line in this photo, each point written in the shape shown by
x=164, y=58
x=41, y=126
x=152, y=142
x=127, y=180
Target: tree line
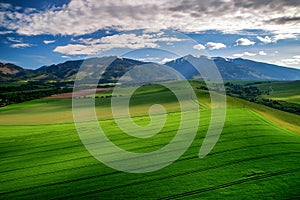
x=253, y=94
x=29, y=91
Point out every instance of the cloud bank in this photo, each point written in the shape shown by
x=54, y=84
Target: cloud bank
x=244, y=54
x=90, y=46
x=80, y=17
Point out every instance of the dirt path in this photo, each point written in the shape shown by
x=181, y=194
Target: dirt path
x=77, y=94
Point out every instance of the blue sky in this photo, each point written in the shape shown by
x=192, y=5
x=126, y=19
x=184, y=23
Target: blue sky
x=37, y=33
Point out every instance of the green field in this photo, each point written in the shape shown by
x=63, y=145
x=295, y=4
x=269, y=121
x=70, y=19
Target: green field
x=42, y=157
x=285, y=91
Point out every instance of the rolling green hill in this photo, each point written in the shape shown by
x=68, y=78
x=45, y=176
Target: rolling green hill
x=42, y=156
x=285, y=91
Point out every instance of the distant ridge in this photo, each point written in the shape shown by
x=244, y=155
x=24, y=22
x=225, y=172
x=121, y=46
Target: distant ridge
x=236, y=69
x=66, y=71
x=230, y=69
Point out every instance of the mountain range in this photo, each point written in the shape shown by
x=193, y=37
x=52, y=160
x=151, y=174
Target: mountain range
x=230, y=69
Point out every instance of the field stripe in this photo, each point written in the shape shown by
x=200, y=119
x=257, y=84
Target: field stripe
x=88, y=155
x=188, y=158
x=152, y=180
x=125, y=143
x=192, y=147
x=176, y=175
x=258, y=177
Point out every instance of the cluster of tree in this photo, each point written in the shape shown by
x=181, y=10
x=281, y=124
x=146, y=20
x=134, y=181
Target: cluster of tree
x=253, y=94
x=21, y=96
x=30, y=91
x=202, y=87
x=107, y=96
x=250, y=93
x=34, y=85
x=23, y=87
x=280, y=105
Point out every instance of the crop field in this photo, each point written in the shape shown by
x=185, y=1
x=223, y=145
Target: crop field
x=42, y=157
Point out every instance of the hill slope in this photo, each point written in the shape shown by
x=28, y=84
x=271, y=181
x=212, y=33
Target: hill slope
x=273, y=71
x=10, y=71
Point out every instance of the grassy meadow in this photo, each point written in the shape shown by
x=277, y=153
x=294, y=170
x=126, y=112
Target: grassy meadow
x=42, y=157
x=285, y=91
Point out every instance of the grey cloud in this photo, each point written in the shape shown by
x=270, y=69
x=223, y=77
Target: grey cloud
x=4, y=6
x=284, y=20
x=272, y=4
x=80, y=17
x=201, y=6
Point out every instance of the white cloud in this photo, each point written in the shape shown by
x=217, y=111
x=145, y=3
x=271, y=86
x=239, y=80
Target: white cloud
x=12, y=39
x=246, y=53
x=297, y=57
x=244, y=42
x=213, y=45
x=265, y=40
x=75, y=49
x=284, y=36
x=8, y=61
x=262, y=53
x=249, y=54
x=65, y=56
x=199, y=47
x=238, y=55
x=165, y=60
x=29, y=10
x=292, y=61
x=88, y=46
x=80, y=17
x=20, y=45
x=5, y=5
x=48, y=41
x=277, y=37
x=5, y=32
x=149, y=59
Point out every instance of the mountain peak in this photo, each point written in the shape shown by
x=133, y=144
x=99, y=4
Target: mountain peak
x=189, y=56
